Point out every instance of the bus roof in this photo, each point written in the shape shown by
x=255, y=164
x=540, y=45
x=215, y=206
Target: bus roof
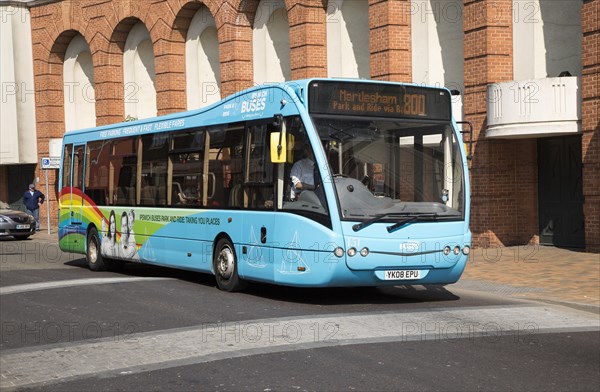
x=297, y=89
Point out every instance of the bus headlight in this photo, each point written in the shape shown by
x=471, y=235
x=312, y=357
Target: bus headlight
x=339, y=252
x=447, y=250
x=466, y=250
x=457, y=250
x=364, y=252
x=352, y=252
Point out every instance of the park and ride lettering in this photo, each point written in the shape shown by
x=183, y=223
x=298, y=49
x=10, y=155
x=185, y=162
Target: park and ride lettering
x=196, y=220
x=373, y=103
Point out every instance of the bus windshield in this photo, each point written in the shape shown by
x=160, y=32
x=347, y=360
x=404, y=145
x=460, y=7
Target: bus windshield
x=392, y=167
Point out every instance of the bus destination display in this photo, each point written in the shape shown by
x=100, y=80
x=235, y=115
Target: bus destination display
x=380, y=100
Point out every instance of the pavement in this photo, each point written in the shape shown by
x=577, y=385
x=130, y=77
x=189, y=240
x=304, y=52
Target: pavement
x=535, y=272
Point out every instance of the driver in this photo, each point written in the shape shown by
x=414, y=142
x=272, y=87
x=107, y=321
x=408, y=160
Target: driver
x=302, y=173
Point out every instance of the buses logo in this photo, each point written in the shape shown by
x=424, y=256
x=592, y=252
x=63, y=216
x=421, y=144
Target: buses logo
x=257, y=102
x=254, y=105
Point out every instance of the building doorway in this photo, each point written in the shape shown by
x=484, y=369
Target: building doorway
x=560, y=192
x=15, y=180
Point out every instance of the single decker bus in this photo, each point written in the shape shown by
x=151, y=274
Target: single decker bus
x=309, y=183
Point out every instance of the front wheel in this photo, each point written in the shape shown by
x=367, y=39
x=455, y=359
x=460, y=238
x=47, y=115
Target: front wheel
x=225, y=266
x=93, y=254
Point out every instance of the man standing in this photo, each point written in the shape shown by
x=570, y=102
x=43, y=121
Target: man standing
x=33, y=199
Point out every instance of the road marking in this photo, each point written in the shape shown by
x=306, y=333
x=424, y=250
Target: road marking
x=209, y=342
x=22, y=288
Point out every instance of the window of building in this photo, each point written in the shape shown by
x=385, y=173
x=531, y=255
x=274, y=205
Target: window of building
x=79, y=92
x=203, y=75
x=348, y=53
x=271, y=42
x=139, y=74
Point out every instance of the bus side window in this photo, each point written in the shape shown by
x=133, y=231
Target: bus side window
x=66, y=174
x=259, y=187
x=155, y=148
x=236, y=196
x=126, y=184
x=78, y=165
x=123, y=172
x=185, y=169
x=223, y=146
x=96, y=172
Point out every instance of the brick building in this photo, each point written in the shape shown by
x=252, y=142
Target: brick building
x=527, y=71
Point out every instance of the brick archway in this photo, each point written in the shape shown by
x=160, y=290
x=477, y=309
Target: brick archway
x=50, y=116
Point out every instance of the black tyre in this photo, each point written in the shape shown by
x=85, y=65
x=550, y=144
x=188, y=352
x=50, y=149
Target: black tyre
x=225, y=266
x=93, y=253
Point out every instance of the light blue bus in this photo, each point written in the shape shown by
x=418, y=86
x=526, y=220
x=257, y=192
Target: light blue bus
x=309, y=183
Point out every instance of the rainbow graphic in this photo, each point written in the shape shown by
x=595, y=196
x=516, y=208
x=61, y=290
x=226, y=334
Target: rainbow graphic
x=130, y=233
x=77, y=212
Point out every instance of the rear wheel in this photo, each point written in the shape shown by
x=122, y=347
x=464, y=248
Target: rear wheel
x=93, y=254
x=225, y=266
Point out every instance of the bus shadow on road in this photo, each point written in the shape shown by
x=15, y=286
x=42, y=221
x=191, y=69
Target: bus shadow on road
x=150, y=271
x=306, y=295
x=353, y=295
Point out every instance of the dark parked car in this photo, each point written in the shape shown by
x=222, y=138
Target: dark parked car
x=17, y=224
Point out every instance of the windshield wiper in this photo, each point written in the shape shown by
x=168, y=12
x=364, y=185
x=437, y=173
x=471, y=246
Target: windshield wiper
x=404, y=222
x=409, y=217
x=377, y=218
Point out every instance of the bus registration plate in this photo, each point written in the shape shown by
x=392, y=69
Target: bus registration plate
x=402, y=274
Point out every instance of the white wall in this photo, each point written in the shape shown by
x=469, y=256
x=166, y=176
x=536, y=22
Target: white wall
x=348, y=53
x=18, y=139
x=203, y=75
x=546, y=38
x=437, y=46
x=271, y=43
x=79, y=92
x=138, y=74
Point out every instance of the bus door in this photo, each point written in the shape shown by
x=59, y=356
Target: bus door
x=76, y=222
x=257, y=253
x=258, y=231
x=77, y=194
